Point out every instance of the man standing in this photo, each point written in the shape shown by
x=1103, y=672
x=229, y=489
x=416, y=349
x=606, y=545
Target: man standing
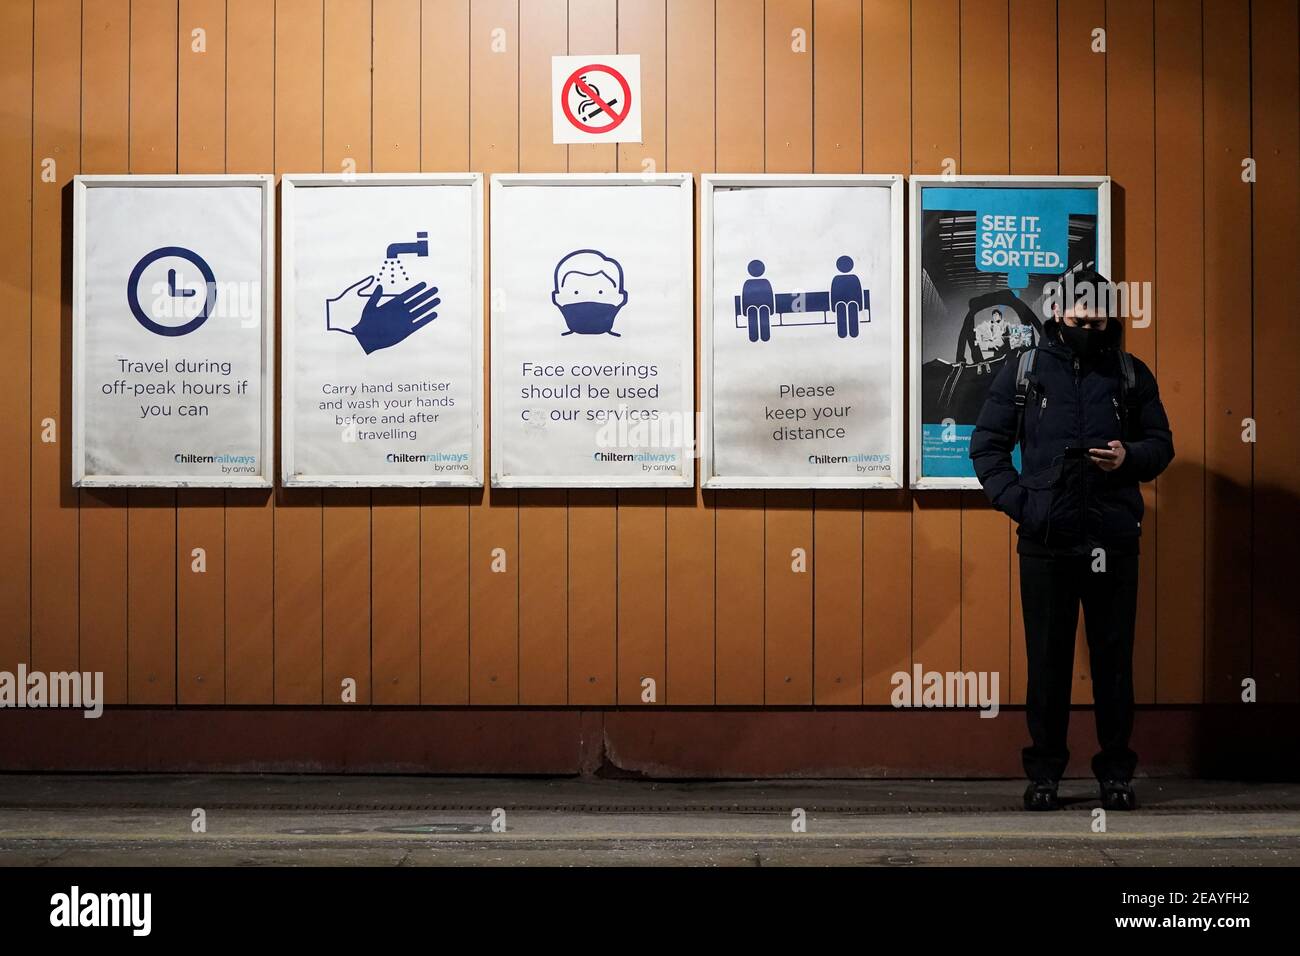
x=1091, y=426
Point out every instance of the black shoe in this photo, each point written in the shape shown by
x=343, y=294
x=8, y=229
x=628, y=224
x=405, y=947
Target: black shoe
x=1041, y=795
x=1118, y=795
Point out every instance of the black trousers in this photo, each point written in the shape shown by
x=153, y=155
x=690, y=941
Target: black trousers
x=1051, y=590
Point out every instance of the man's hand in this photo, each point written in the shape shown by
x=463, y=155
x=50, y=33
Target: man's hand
x=1110, y=458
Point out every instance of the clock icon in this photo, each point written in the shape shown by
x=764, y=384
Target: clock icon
x=172, y=261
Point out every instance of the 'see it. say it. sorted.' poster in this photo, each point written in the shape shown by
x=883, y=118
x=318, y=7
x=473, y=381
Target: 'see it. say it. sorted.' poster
x=984, y=250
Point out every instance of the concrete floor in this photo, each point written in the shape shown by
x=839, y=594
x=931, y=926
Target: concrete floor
x=262, y=820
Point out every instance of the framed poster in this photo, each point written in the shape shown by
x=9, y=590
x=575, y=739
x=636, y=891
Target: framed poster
x=592, y=331
x=383, y=330
x=172, y=331
x=983, y=248
x=801, y=307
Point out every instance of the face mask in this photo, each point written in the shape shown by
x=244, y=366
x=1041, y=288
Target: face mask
x=1084, y=343
x=590, y=318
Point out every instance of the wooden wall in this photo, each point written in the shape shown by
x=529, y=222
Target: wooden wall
x=394, y=587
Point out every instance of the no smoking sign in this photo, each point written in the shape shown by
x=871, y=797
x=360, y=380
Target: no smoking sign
x=596, y=99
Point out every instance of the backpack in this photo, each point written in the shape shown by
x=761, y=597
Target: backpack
x=1026, y=384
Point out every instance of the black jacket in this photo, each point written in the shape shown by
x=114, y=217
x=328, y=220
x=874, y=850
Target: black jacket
x=1069, y=505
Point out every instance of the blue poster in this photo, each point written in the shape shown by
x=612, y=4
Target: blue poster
x=987, y=252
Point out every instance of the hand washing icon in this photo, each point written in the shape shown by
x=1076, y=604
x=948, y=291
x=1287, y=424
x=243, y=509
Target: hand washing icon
x=379, y=319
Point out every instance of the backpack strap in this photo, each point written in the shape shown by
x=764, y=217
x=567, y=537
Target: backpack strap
x=1127, y=389
x=1024, y=385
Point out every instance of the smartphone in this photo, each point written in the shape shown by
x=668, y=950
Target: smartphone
x=1076, y=453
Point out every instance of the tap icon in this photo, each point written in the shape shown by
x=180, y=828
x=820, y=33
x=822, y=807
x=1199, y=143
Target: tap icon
x=419, y=248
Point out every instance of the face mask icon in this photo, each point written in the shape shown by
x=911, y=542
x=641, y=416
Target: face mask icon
x=589, y=292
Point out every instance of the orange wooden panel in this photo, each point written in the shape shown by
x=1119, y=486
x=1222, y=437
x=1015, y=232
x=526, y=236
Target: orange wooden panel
x=985, y=533
x=395, y=528
x=788, y=86
x=105, y=95
x=151, y=521
x=105, y=112
x=347, y=62
x=986, y=556
x=886, y=593
x=593, y=586
x=1082, y=73
x=154, y=79
x=738, y=68
x=1129, y=138
x=346, y=576
x=444, y=513
x=543, y=596
x=201, y=86
x=936, y=516
x=543, y=33
x=396, y=567
x=1033, y=120
x=444, y=85
x=789, y=570
x=837, y=515
x=444, y=596
x=593, y=28
x=739, y=571
x=642, y=586
x=886, y=86
x=642, y=29
x=56, y=108
x=16, y=428
x=1180, y=548
x=936, y=84
x=1032, y=87
x=1276, y=492
x=299, y=145
x=543, y=512
x=936, y=572
x=642, y=518
x=887, y=518
x=1018, y=667
x=200, y=597
x=788, y=147
x=690, y=518
x=345, y=512
x=396, y=65
x=837, y=86
x=1228, y=371
x=985, y=93
x=250, y=516
x=200, y=513
x=494, y=515
x=837, y=598
x=739, y=559
x=103, y=589
x=593, y=515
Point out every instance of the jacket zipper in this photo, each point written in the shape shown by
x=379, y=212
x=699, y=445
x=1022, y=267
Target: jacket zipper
x=1083, y=473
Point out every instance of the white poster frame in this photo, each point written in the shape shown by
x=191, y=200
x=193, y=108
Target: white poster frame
x=917, y=185
x=682, y=205
x=81, y=185
x=291, y=182
x=709, y=183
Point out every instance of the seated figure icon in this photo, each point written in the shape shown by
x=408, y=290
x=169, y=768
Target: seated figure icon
x=847, y=304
